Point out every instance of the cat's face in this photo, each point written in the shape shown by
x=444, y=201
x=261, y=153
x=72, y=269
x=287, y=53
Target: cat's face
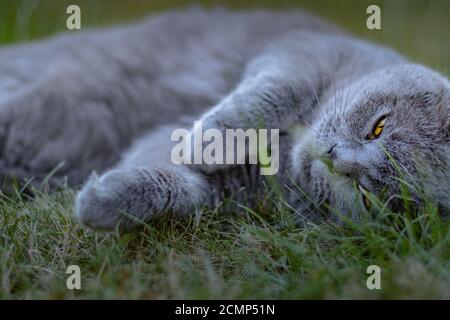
x=367, y=135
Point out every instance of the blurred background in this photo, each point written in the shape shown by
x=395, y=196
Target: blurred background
x=418, y=28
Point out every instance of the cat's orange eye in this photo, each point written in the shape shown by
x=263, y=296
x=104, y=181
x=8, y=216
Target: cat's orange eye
x=377, y=129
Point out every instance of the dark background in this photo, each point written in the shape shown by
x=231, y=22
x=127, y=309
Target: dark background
x=417, y=28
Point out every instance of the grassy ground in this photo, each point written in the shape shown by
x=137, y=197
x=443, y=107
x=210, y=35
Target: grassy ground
x=258, y=254
x=214, y=256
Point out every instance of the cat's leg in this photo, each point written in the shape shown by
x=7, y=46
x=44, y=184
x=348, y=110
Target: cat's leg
x=146, y=183
x=270, y=95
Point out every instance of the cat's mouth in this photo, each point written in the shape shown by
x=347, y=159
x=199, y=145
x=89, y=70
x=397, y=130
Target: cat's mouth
x=326, y=186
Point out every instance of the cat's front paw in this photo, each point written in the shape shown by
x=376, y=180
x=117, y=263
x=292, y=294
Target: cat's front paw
x=110, y=200
x=94, y=205
x=126, y=197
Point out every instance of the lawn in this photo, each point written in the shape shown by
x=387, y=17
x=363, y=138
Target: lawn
x=256, y=254
x=259, y=253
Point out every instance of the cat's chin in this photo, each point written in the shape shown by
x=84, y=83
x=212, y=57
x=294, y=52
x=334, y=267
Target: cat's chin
x=312, y=180
x=329, y=194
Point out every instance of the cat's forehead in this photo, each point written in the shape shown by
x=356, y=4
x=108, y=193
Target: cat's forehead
x=378, y=94
x=404, y=85
x=396, y=83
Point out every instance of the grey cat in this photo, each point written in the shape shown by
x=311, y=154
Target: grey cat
x=111, y=98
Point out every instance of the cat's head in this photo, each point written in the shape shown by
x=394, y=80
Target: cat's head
x=393, y=124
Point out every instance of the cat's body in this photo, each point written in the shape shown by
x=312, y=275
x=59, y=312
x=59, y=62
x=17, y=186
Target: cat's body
x=84, y=99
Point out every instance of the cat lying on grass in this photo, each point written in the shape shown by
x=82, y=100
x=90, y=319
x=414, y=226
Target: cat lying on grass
x=108, y=100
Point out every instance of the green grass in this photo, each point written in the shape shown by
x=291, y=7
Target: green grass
x=257, y=254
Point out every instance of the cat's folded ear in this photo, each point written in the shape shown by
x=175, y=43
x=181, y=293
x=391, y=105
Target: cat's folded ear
x=427, y=99
x=438, y=103
x=443, y=112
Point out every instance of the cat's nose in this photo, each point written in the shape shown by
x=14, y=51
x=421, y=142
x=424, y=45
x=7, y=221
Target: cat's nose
x=330, y=151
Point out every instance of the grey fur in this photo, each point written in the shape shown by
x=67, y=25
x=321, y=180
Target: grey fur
x=83, y=99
